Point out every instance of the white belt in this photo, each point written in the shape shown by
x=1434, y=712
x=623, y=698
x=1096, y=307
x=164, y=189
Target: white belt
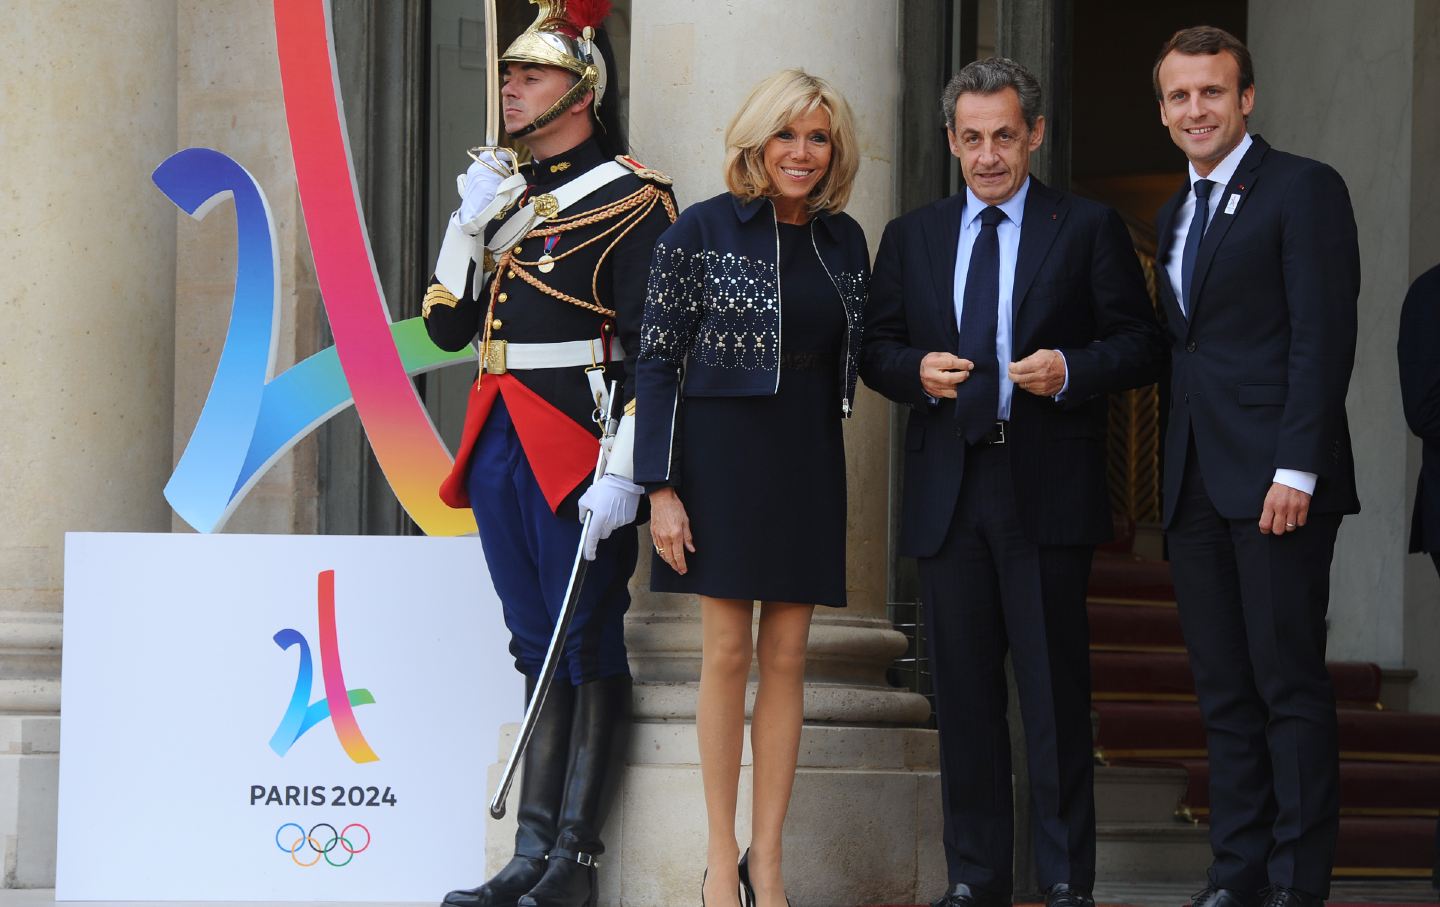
x=505, y=356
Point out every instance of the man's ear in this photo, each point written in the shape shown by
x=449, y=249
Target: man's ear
x=583, y=104
x=1037, y=135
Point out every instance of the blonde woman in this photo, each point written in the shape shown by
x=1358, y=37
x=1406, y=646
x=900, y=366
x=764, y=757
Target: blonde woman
x=750, y=344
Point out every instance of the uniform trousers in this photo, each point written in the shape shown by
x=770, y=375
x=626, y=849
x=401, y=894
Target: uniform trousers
x=530, y=551
x=1252, y=608
x=987, y=590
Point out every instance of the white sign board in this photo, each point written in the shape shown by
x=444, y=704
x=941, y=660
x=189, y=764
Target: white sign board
x=277, y=717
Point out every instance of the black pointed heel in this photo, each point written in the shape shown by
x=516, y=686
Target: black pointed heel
x=747, y=891
x=745, y=887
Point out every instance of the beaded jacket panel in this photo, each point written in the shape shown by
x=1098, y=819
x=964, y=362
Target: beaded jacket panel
x=718, y=308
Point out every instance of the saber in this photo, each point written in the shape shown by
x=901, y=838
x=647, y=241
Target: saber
x=492, y=76
x=562, y=626
x=489, y=153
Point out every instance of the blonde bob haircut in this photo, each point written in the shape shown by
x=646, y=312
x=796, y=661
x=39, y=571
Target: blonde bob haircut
x=776, y=102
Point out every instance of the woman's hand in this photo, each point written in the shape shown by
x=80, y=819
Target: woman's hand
x=670, y=528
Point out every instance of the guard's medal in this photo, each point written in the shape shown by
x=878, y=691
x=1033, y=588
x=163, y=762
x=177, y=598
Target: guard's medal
x=546, y=263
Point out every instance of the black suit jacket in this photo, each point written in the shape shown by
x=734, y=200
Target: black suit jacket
x=1079, y=289
x=1419, y=350
x=1260, y=367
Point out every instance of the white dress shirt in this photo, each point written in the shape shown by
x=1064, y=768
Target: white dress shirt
x=1008, y=232
x=1221, y=175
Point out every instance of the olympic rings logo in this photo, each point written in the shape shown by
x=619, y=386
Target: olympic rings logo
x=308, y=841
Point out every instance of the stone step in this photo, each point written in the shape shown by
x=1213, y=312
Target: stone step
x=1171, y=851
x=1130, y=794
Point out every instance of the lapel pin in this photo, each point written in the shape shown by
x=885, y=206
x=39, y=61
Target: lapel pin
x=1232, y=203
x=1054, y=216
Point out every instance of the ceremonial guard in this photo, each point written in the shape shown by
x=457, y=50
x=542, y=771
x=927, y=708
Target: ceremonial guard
x=546, y=264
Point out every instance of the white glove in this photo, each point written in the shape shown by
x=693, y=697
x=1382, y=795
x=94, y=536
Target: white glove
x=479, y=184
x=613, y=501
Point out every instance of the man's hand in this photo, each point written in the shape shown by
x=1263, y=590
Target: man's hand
x=941, y=373
x=613, y=501
x=1285, y=510
x=479, y=186
x=670, y=528
x=1042, y=373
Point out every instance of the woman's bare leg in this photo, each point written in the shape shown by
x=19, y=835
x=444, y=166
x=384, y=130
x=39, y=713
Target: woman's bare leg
x=720, y=726
x=775, y=739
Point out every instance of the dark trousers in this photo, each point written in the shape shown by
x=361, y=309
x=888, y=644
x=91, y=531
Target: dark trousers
x=529, y=552
x=1435, y=876
x=990, y=589
x=1252, y=608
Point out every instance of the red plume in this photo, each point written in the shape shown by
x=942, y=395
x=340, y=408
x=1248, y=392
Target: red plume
x=587, y=13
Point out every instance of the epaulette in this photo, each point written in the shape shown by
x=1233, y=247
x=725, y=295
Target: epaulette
x=645, y=173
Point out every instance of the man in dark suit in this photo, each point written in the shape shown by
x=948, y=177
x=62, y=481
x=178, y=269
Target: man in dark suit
x=1002, y=316
x=1419, y=353
x=1260, y=277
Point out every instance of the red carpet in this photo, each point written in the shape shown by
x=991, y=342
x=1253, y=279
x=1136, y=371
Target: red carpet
x=1145, y=714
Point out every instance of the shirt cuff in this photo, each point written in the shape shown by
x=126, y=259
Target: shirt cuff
x=1060, y=394
x=1294, y=478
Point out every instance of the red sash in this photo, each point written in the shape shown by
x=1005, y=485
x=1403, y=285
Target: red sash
x=560, y=452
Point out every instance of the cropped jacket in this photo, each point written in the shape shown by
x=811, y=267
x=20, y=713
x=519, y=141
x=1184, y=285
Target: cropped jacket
x=711, y=326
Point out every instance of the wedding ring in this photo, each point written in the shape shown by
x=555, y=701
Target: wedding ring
x=1289, y=525
x=660, y=551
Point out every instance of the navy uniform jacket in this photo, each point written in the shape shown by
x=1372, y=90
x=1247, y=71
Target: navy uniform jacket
x=1079, y=289
x=1260, y=367
x=611, y=272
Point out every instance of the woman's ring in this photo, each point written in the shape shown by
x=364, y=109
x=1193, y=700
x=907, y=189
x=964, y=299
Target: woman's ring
x=660, y=550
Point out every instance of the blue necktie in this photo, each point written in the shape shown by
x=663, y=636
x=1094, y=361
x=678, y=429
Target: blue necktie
x=1192, y=240
x=978, y=398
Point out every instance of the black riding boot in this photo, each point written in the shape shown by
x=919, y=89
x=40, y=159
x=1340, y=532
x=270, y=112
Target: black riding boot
x=598, y=741
x=542, y=791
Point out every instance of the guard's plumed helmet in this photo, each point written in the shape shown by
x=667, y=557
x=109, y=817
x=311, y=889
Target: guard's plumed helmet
x=563, y=35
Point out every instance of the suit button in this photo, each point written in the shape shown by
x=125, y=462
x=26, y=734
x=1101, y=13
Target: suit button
x=1190, y=347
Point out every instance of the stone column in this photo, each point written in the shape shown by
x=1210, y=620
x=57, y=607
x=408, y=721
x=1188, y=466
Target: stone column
x=863, y=816
x=86, y=356
x=1381, y=67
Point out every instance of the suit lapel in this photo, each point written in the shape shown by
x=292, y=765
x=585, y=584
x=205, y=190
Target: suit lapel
x=1045, y=211
x=1232, y=205
x=942, y=240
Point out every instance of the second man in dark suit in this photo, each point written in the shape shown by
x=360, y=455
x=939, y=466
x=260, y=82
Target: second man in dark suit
x=1261, y=274
x=1003, y=315
x=1420, y=391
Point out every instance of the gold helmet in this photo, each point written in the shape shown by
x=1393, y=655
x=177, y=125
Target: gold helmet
x=563, y=35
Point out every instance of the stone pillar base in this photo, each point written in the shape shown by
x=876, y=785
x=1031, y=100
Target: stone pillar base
x=863, y=824
x=29, y=798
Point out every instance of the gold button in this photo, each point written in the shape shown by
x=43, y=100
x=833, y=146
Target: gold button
x=496, y=324
x=516, y=250
x=504, y=296
x=512, y=273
